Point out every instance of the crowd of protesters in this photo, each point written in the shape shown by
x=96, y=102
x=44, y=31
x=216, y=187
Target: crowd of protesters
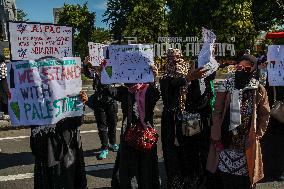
x=210, y=139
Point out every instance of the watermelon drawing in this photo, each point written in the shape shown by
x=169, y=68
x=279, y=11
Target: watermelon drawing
x=109, y=71
x=16, y=109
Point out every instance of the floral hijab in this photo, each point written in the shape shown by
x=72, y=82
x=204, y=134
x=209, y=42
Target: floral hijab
x=177, y=67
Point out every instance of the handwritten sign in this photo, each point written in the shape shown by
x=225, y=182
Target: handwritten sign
x=128, y=64
x=96, y=53
x=206, y=57
x=275, y=67
x=206, y=54
x=29, y=41
x=45, y=91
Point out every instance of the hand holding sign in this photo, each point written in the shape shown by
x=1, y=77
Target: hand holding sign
x=196, y=74
x=206, y=57
x=44, y=91
x=84, y=97
x=127, y=64
x=87, y=61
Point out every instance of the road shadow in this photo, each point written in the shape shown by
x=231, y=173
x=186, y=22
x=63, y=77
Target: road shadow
x=91, y=153
x=107, y=173
x=104, y=173
x=15, y=159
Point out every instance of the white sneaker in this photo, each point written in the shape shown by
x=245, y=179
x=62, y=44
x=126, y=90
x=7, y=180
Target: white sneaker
x=6, y=117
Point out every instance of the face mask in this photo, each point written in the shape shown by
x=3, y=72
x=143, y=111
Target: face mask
x=242, y=79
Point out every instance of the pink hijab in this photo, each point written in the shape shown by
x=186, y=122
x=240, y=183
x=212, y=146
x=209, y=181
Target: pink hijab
x=140, y=91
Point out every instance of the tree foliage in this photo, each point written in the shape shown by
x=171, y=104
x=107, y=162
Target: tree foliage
x=116, y=15
x=21, y=15
x=82, y=20
x=101, y=35
x=267, y=14
x=147, y=21
x=186, y=18
x=242, y=19
x=236, y=20
x=136, y=18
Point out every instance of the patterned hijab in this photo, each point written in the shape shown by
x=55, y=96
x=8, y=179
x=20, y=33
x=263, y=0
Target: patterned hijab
x=176, y=66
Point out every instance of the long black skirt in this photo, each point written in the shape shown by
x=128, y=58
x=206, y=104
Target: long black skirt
x=135, y=169
x=59, y=161
x=185, y=157
x=272, y=150
x=273, y=143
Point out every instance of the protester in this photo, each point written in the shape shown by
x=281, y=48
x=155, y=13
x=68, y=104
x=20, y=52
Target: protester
x=135, y=168
x=185, y=152
x=59, y=161
x=3, y=86
x=57, y=148
x=105, y=111
x=272, y=142
x=239, y=121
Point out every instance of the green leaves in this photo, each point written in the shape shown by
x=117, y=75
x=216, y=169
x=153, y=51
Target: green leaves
x=143, y=19
x=242, y=19
x=15, y=108
x=82, y=20
x=21, y=15
x=109, y=71
x=267, y=14
x=101, y=35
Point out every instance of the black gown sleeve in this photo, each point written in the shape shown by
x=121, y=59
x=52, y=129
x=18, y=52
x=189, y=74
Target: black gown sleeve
x=178, y=82
x=114, y=92
x=152, y=97
x=118, y=92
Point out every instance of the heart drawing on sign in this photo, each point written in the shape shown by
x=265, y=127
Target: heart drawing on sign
x=15, y=107
x=109, y=71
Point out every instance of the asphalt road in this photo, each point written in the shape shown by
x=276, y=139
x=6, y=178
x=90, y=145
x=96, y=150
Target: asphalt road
x=16, y=161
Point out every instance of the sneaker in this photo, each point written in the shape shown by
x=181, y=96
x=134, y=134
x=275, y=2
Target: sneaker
x=6, y=117
x=103, y=154
x=114, y=147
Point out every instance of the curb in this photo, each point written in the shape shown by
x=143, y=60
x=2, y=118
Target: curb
x=88, y=119
x=6, y=126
